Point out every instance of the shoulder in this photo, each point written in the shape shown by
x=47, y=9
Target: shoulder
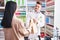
x=41, y=14
x=17, y=20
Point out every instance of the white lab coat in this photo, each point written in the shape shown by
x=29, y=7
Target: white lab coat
x=40, y=18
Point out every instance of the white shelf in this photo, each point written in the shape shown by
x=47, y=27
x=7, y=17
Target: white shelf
x=51, y=24
x=18, y=7
x=1, y=18
x=1, y=28
x=20, y=15
x=21, y=9
x=50, y=15
x=2, y=7
x=50, y=5
x=43, y=9
x=1, y=15
x=50, y=8
x=50, y=2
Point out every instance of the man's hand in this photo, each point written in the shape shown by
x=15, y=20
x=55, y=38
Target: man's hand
x=35, y=21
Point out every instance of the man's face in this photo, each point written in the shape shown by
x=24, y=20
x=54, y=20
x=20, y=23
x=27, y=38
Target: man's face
x=37, y=7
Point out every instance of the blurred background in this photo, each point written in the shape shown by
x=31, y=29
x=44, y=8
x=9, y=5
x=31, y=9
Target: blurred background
x=25, y=6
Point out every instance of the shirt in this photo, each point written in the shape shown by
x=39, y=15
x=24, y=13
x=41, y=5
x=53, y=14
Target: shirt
x=39, y=17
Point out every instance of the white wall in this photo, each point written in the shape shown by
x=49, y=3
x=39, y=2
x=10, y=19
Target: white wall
x=57, y=14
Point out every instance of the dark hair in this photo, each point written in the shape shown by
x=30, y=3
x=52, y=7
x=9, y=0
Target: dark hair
x=10, y=8
x=38, y=3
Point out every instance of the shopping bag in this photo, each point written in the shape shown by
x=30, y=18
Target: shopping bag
x=34, y=27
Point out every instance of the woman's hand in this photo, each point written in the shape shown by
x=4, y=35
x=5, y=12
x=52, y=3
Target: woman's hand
x=32, y=25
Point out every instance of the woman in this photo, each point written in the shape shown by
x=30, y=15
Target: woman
x=13, y=27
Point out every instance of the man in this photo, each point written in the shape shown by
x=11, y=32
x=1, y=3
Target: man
x=37, y=17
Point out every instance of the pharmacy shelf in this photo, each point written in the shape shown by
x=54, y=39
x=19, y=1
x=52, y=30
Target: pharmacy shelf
x=32, y=3
x=20, y=15
x=2, y=7
x=50, y=15
x=50, y=8
x=49, y=29
x=1, y=18
x=1, y=29
x=21, y=9
x=50, y=20
x=50, y=5
x=50, y=11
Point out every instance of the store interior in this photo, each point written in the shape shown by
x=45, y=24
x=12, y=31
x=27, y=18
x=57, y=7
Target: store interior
x=25, y=6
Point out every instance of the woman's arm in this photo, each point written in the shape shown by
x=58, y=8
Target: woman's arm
x=22, y=29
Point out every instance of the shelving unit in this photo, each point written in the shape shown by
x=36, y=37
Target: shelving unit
x=32, y=3
x=1, y=15
x=21, y=5
x=49, y=15
x=50, y=11
x=2, y=7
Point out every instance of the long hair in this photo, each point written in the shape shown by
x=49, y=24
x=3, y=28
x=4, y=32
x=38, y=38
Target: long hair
x=10, y=9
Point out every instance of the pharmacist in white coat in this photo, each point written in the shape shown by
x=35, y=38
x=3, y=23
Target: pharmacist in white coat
x=38, y=18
